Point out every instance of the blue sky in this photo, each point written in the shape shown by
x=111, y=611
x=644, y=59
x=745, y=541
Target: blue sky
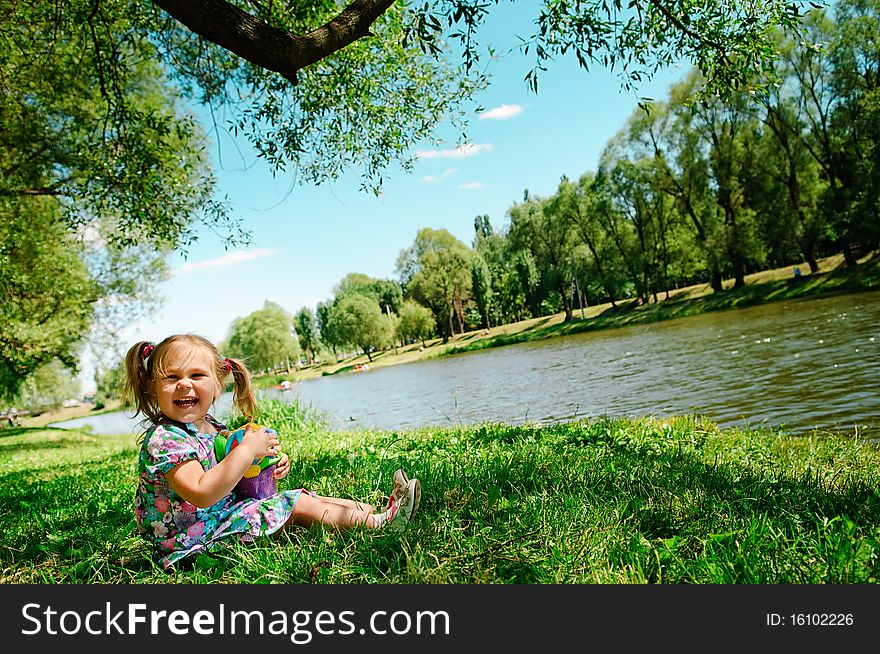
x=306, y=239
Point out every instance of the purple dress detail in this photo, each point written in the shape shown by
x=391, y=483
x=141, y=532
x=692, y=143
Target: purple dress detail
x=180, y=529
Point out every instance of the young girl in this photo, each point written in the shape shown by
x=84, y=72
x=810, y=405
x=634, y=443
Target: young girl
x=184, y=501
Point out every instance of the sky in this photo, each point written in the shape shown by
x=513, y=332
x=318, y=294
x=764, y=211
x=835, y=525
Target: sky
x=305, y=239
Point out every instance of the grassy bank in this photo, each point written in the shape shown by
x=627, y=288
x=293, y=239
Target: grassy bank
x=762, y=287
x=608, y=501
x=69, y=413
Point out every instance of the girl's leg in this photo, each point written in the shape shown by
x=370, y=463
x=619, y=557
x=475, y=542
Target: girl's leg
x=331, y=511
x=352, y=504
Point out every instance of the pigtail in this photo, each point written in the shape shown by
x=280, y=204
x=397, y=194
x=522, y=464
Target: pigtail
x=137, y=383
x=243, y=396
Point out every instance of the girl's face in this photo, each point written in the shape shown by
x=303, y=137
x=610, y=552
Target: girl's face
x=187, y=387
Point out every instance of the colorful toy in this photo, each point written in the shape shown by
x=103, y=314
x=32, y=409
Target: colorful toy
x=258, y=481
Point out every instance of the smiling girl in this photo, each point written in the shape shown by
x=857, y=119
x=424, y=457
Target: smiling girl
x=185, y=500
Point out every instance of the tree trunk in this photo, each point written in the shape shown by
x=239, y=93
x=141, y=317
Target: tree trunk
x=605, y=285
x=566, y=305
x=717, y=282
x=269, y=47
x=459, y=312
x=848, y=256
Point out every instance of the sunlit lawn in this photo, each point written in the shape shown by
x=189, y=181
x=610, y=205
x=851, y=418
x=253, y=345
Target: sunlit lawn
x=610, y=501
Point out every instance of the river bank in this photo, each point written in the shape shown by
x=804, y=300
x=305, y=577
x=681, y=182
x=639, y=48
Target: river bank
x=762, y=287
x=69, y=413
x=605, y=501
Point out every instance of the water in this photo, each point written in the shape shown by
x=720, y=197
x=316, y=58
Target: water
x=806, y=364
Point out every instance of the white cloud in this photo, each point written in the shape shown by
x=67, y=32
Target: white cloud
x=473, y=186
x=466, y=150
x=229, y=259
x=433, y=179
x=503, y=112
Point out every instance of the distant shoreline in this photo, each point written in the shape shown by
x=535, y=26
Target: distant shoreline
x=761, y=288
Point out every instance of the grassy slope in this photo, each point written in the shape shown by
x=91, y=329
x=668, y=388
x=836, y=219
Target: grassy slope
x=614, y=501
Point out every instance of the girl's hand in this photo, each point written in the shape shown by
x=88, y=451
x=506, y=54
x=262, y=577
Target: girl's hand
x=260, y=442
x=282, y=467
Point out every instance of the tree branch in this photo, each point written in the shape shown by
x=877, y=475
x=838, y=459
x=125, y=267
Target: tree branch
x=33, y=191
x=270, y=47
x=684, y=29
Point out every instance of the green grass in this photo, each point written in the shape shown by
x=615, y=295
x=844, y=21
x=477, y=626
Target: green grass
x=607, y=501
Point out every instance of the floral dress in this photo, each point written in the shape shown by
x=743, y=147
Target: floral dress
x=180, y=529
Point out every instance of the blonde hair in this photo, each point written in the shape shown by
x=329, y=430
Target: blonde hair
x=145, y=363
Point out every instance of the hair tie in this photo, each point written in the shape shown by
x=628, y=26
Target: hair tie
x=148, y=350
x=228, y=364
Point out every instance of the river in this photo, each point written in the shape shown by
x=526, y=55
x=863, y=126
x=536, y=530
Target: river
x=802, y=364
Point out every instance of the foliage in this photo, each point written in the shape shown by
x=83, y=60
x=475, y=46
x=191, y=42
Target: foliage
x=88, y=118
x=356, y=319
x=264, y=338
x=46, y=291
x=729, y=43
x=307, y=332
x=359, y=109
x=386, y=292
x=110, y=383
x=45, y=389
x=542, y=227
x=481, y=284
x=415, y=322
x=102, y=132
x=435, y=271
x=97, y=151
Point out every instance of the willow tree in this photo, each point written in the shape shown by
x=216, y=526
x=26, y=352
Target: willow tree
x=543, y=228
x=265, y=338
x=436, y=271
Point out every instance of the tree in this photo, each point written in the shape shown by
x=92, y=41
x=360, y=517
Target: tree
x=812, y=75
x=89, y=118
x=435, y=271
x=583, y=202
x=45, y=389
x=855, y=57
x=415, y=322
x=727, y=44
x=324, y=88
x=729, y=126
x=667, y=132
x=357, y=320
x=542, y=227
x=508, y=300
x=46, y=291
x=264, y=338
x=481, y=283
x=307, y=331
x=326, y=326
x=793, y=171
x=121, y=180
x=629, y=219
x=527, y=278
x=110, y=382
x=386, y=292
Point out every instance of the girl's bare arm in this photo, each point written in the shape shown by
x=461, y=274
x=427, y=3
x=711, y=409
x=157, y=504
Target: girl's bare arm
x=204, y=488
